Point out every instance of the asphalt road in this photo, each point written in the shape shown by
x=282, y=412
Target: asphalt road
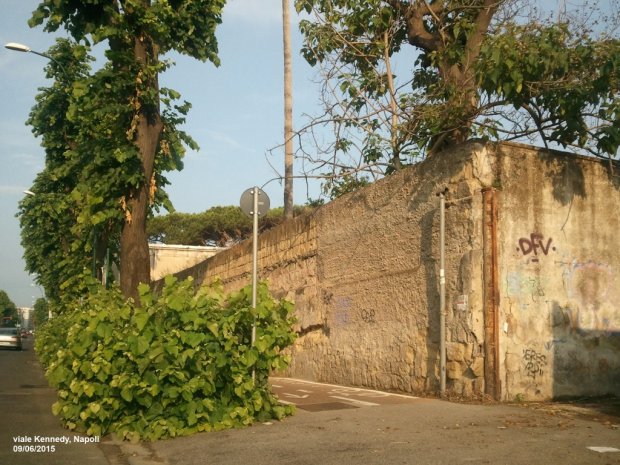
x=25, y=412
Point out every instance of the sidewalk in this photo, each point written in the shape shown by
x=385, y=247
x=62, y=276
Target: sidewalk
x=425, y=432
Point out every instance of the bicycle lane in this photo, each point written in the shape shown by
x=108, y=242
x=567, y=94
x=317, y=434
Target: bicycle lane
x=313, y=396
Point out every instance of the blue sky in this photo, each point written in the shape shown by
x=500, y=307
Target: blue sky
x=237, y=116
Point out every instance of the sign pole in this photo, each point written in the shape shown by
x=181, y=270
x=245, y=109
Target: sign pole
x=254, y=203
x=254, y=261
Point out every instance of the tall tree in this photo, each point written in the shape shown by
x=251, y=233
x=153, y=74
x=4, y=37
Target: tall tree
x=472, y=68
x=8, y=309
x=120, y=103
x=58, y=247
x=41, y=311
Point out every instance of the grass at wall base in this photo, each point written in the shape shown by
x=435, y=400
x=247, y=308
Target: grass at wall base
x=180, y=363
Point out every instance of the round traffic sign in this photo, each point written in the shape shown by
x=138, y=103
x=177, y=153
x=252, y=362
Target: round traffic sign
x=247, y=202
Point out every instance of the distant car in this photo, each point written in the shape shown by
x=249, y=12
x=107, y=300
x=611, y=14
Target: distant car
x=10, y=337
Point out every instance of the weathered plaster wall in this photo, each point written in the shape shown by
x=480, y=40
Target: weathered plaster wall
x=559, y=267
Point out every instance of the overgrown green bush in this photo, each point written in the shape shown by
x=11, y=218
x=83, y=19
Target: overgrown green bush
x=180, y=363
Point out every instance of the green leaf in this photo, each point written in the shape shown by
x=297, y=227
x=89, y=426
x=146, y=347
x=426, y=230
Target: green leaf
x=89, y=389
x=140, y=320
x=126, y=394
x=56, y=408
x=164, y=380
x=213, y=327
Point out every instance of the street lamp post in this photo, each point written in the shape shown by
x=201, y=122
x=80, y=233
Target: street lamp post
x=25, y=49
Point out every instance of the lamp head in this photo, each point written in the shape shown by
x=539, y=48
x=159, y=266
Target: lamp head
x=18, y=47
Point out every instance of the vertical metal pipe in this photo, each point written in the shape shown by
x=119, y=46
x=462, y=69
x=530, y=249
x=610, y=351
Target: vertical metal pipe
x=442, y=293
x=492, y=379
x=254, y=257
x=254, y=265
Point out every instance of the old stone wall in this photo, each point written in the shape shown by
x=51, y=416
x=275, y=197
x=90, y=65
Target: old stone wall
x=559, y=267
x=531, y=296
x=363, y=272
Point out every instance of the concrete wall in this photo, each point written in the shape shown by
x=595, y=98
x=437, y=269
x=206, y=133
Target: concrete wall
x=531, y=296
x=169, y=259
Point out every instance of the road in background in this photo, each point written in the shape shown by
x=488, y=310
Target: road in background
x=25, y=413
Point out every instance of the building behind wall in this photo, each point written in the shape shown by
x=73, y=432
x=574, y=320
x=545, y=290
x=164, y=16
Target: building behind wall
x=532, y=262
x=169, y=259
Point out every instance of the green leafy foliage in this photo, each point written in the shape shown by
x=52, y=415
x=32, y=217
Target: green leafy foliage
x=41, y=311
x=8, y=310
x=567, y=83
x=181, y=363
x=217, y=226
x=344, y=184
x=405, y=79
x=115, y=130
x=73, y=223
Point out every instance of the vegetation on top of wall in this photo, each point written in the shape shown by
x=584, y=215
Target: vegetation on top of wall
x=180, y=363
x=217, y=226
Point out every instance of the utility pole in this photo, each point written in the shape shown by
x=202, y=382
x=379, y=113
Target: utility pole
x=288, y=113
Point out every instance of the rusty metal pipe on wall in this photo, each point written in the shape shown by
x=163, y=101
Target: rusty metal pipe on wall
x=491, y=298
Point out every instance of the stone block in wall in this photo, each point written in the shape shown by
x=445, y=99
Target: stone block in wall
x=461, y=334
x=454, y=370
x=477, y=366
x=478, y=386
x=468, y=388
x=455, y=351
x=421, y=365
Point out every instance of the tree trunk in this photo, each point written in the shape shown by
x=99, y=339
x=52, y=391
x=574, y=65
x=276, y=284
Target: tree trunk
x=459, y=78
x=135, y=261
x=288, y=113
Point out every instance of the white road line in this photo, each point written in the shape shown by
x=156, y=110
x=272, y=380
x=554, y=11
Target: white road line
x=300, y=381
x=295, y=396
x=355, y=401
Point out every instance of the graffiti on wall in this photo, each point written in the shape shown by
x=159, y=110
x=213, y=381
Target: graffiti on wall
x=341, y=311
x=534, y=362
x=368, y=316
x=591, y=305
x=535, y=244
x=525, y=284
